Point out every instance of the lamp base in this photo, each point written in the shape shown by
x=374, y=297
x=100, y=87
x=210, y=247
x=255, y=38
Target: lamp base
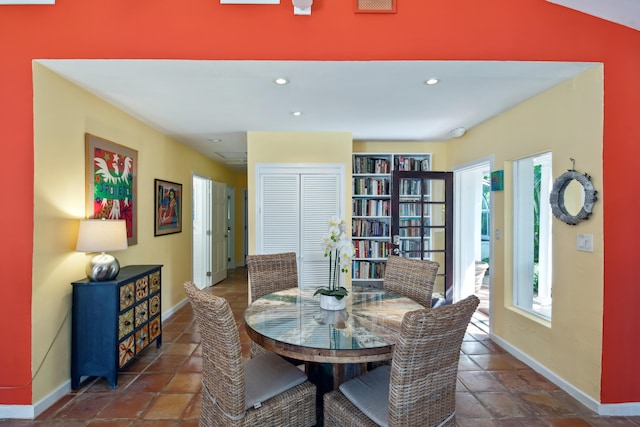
x=102, y=267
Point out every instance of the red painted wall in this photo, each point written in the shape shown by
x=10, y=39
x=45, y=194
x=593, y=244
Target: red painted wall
x=204, y=29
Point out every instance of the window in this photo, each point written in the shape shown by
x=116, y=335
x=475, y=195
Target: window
x=486, y=209
x=532, y=261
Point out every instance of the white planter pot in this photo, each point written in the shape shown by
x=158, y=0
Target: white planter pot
x=329, y=302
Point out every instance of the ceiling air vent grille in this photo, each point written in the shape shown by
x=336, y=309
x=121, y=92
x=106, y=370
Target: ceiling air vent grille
x=375, y=6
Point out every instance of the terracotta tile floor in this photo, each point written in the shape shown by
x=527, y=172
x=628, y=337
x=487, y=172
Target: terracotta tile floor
x=161, y=388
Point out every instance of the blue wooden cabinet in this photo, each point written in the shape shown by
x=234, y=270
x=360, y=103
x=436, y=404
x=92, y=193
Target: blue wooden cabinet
x=113, y=321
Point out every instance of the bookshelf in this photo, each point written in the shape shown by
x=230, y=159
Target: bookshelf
x=372, y=210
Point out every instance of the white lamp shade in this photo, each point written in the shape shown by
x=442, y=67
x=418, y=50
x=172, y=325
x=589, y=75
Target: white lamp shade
x=100, y=235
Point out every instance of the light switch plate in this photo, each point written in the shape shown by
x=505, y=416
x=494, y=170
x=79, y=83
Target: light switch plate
x=585, y=242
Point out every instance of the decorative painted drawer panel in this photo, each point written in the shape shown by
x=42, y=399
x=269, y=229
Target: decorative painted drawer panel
x=142, y=288
x=154, y=328
x=127, y=350
x=142, y=338
x=154, y=279
x=126, y=296
x=125, y=324
x=154, y=305
x=114, y=321
x=142, y=313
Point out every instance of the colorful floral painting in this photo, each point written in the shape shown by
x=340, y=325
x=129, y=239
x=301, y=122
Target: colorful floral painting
x=111, y=182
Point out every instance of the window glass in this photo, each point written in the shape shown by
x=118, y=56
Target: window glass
x=532, y=284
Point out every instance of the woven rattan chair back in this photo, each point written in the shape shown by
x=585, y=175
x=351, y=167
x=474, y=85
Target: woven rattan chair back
x=413, y=278
x=424, y=370
x=272, y=273
x=222, y=368
x=223, y=375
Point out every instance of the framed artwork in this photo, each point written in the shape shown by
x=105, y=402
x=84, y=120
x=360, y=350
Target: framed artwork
x=497, y=180
x=168, y=208
x=111, y=180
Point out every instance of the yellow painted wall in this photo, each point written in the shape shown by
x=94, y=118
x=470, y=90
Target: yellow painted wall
x=295, y=147
x=566, y=120
x=62, y=114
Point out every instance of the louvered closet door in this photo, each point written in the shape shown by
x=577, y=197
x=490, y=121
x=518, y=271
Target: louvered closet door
x=294, y=214
x=279, y=213
x=320, y=196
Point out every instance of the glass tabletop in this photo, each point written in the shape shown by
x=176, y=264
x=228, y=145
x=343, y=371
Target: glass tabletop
x=293, y=317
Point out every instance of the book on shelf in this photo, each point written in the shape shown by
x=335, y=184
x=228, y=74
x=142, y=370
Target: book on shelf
x=408, y=163
x=367, y=270
x=369, y=228
x=373, y=165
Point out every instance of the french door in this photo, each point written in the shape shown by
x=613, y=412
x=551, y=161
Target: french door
x=422, y=221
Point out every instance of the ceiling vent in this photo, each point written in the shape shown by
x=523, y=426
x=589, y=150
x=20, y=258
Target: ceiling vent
x=375, y=6
x=233, y=156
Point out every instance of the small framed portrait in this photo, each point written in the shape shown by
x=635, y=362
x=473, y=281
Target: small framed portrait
x=168, y=207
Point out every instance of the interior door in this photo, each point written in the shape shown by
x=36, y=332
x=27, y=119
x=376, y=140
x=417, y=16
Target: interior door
x=219, y=232
x=422, y=221
x=201, y=232
x=319, y=198
x=231, y=226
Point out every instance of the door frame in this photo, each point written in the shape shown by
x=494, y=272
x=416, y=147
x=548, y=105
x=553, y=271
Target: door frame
x=460, y=193
x=195, y=236
x=231, y=227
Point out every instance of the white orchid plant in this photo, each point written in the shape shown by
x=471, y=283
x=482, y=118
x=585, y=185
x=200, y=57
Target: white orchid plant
x=340, y=251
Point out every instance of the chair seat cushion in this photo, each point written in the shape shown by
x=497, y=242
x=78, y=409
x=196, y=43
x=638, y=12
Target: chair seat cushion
x=370, y=394
x=268, y=375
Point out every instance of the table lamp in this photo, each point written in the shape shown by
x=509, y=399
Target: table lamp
x=101, y=235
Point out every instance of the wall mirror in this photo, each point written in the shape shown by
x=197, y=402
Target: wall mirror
x=572, y=197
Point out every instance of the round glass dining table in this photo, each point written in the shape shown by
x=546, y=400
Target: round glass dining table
x=291, y=323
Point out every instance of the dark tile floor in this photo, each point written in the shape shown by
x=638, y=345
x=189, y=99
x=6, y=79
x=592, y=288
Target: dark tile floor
x=161, y=388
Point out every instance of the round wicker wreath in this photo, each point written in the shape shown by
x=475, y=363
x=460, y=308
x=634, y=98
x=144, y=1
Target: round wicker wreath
x=557, y=197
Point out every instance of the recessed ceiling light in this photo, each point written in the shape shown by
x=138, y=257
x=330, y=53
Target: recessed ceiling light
x=216, y=140
x=296, y=113
x=432, y=81
x=281, y=81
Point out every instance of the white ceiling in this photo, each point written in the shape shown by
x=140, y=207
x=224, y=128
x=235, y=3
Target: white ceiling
x=197, y=101
x=623, y=12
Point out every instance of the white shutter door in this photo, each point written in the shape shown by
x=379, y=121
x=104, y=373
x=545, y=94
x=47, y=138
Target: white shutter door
x=279, y=214
x=320, y=200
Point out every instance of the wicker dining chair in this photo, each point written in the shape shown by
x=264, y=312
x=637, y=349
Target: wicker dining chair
x=270, y=273
x=419, y=387
x=412, y=278
x=263, y=391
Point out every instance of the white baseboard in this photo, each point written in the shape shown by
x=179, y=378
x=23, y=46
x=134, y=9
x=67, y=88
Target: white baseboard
x=630, y=409
x=609, y=409
x=17, y=412
x=174, y=309
x=30, y=412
